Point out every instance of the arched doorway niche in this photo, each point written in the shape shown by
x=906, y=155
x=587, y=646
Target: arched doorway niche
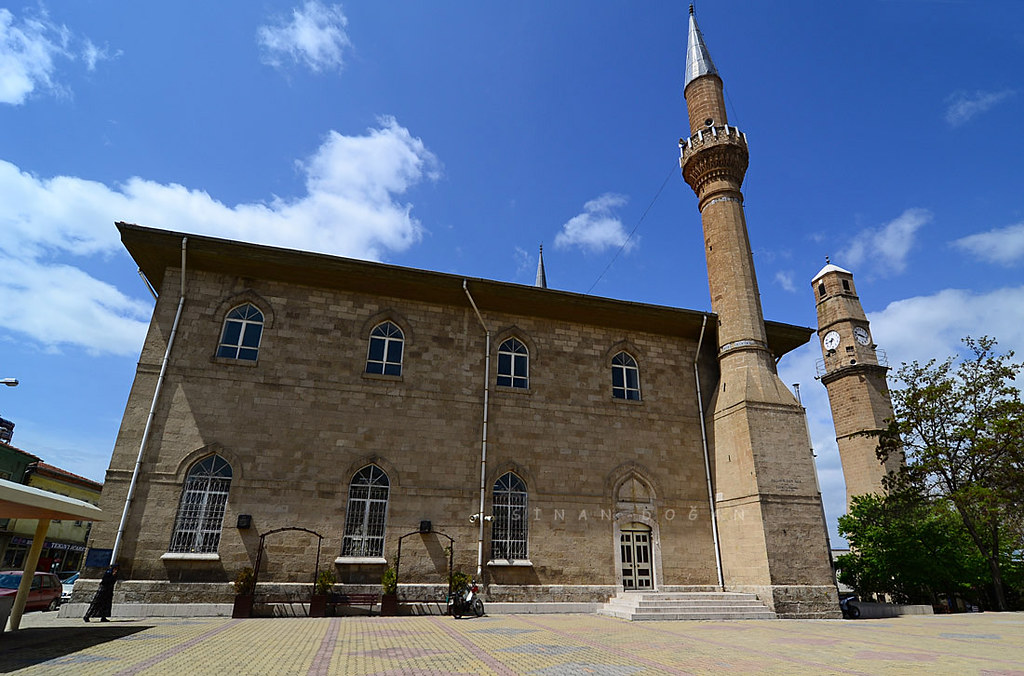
x=637, y=540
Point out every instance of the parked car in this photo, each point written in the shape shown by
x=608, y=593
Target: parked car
x=67, y=585
x=43, y=595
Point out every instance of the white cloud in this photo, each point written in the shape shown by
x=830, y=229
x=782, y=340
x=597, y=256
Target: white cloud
x=927, y=327
x=315, y=36
x=597, y=228
x=350, y=208
x=884, y=250
x=92, y=54
x=912, y=329
x=784, y=278
x=59, y=304
x=29, y=49
x=1001, y=245
x=963, y=106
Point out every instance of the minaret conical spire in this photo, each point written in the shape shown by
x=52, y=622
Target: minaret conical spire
x=542, y=280
x=698, y=59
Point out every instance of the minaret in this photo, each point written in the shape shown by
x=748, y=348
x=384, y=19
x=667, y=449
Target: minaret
x=854, y=376
x=542, y=280
x=768, y=509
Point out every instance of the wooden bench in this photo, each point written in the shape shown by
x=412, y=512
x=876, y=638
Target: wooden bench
x=368, y=600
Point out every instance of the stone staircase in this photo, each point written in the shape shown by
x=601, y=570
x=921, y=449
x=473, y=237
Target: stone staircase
x=686, y=606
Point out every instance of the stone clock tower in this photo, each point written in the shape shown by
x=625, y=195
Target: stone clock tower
x=768, y=508
x=854, y=376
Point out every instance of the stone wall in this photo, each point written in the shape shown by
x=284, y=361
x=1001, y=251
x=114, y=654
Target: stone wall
x=299, y=423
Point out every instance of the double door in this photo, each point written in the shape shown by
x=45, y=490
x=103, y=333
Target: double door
x=635, y=548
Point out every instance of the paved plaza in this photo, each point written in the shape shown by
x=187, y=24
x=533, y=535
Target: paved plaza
x=988, y=643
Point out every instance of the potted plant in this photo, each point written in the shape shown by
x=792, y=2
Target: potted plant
x=245, y=585
x=389, y=598
x=321, y=590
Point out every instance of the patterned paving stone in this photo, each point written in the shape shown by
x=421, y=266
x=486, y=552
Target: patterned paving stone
x=503, y=631
x=963, y=645
x=542, y=649
x=587, y=668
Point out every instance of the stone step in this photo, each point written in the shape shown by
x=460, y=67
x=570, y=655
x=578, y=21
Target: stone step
x=691, y=602
x=686, y=594
x=764, y=614
x=750, y=608
x=686, y=606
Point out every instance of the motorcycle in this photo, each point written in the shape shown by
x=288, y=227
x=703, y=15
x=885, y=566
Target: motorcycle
x=464, y=601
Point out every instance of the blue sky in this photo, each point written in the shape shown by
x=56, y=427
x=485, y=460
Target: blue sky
x=459, y=136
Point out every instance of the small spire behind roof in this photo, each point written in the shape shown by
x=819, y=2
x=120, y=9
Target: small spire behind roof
x=542, y=280
x=698, y=60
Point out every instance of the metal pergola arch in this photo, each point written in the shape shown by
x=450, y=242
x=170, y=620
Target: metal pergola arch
x=259, y=553
x=451, y=554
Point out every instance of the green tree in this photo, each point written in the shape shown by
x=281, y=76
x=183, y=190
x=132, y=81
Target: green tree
x=908, y=548
x=961, y=429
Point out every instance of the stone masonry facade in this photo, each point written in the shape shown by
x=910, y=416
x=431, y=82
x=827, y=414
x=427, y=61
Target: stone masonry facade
x=299, y=422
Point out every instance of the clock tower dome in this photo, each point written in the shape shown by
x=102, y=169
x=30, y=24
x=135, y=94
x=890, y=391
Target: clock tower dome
x=853, y=371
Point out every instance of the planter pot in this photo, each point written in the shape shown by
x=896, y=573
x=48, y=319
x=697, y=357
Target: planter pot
x=389, y=605
x=243, y=606
x=318, y=605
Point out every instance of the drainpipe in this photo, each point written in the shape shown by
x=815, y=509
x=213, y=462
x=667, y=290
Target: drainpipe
x=152, y=412
x=707, y=460
x=483, y=442
x=149, y=287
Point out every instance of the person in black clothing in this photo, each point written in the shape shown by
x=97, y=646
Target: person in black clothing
x=104, y=598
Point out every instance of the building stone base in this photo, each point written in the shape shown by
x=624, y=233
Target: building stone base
x=157, y=598
x=797, y=602
x=161, y=592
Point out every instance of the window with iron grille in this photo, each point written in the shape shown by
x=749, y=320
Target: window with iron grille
x=201, y=512
x=366, y=513
x=385, y=353
x=243, y=328
x=508, y=534
x=513, y=364
x=625, y=377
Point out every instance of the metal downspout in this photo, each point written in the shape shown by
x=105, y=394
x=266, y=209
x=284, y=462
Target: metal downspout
x=152, y=412
x=483, y=442
x=707, y=460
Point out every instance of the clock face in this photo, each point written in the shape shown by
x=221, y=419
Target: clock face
x=831, y=341
x=861, y=334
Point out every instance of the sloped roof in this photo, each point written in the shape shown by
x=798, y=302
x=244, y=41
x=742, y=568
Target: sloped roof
x=827, y=269
x=156, y=251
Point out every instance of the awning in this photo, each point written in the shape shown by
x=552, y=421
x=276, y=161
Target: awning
x=18, y=501
x=25, y=502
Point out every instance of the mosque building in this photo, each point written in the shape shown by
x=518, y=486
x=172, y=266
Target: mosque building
x=559, y=446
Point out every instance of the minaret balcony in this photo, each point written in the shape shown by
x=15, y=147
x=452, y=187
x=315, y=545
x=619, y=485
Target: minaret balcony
x=711, y=153
x=708, y=137
x=829, y=368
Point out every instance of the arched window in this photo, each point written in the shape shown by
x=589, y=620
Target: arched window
x=513, y=364
x=243, y=328
x=385, y=353
x=367, y=509
x=508, y=534
x=625, y=377
x=201, y=511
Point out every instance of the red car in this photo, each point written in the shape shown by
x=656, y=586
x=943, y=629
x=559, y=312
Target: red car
x=44, y=594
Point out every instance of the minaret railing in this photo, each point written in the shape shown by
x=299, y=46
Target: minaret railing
x=711, y=135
